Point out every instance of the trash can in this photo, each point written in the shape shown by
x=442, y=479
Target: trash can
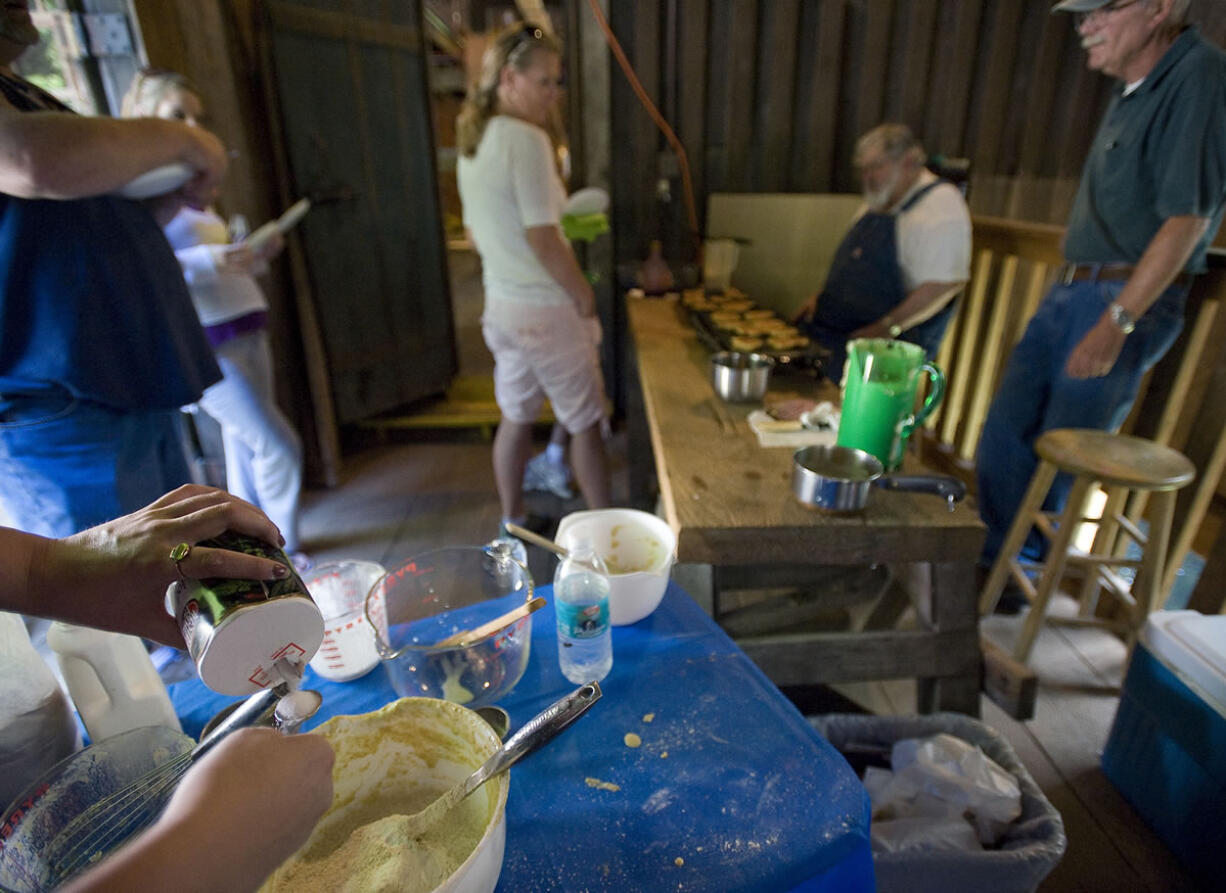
x=1030, y=848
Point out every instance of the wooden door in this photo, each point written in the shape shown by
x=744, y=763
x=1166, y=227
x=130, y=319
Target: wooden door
x=348, y=88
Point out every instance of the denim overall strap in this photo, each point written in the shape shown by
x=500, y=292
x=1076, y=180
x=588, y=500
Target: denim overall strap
x=929, y=333
x=865, y=280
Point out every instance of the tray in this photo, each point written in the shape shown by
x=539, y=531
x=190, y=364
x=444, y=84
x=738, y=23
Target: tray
x=809, y=360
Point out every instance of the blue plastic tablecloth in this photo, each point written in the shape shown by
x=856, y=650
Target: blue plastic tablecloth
x=731, y=790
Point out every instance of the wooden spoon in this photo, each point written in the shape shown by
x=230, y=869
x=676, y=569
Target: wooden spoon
x=468, y=636
x=536, y=539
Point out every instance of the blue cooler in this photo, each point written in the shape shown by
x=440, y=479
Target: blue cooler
x=1167, y=748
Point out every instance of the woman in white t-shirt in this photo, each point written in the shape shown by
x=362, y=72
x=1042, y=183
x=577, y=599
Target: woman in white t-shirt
x=539, y=320
x=263, y=451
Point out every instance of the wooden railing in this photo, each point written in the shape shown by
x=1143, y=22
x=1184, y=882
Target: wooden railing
x=1182, y=400
x=1013, y=265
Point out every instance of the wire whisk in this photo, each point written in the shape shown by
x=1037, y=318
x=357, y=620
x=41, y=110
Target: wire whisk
x=109, y=822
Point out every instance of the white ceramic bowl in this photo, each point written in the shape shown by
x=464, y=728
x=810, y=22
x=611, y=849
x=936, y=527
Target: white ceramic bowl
x=158, y=181
x=394, y=761
x=639, y=550
x=590, y=200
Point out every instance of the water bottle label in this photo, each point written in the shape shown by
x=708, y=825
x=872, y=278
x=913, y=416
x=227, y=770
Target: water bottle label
x=582, y=621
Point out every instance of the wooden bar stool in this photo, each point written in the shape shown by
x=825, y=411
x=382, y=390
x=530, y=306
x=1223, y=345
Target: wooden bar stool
x=1123, y=464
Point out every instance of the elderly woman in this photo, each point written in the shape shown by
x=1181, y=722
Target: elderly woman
x=539, y=320
x=263, y=452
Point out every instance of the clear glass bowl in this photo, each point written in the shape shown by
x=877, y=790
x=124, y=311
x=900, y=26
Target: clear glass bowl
x=45, y=809
x=415, y=607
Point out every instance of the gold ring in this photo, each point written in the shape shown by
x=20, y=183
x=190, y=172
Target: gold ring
x=178, y=553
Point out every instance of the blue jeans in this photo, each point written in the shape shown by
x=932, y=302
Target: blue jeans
x=67, y=464
x=1036, y=396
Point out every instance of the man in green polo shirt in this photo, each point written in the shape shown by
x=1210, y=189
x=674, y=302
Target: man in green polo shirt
x=1150, y=202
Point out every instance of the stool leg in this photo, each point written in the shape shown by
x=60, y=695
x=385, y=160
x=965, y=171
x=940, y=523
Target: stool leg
x=1104, y=544
x=1053, y=570
x=1147, y=587
x=1040, y=483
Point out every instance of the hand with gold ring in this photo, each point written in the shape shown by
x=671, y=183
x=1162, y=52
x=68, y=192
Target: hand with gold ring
x=114, y=576
x=178, y=553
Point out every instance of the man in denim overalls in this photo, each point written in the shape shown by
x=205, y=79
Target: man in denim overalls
x=905, y=258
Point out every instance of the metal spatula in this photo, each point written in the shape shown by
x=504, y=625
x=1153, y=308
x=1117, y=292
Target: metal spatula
x=541, y=728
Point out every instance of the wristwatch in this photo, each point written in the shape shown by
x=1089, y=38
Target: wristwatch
x=1122, y=318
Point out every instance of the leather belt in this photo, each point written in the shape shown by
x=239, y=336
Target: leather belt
x=1071, y=273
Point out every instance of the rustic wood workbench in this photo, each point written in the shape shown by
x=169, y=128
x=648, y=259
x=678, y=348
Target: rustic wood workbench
x=730, y=502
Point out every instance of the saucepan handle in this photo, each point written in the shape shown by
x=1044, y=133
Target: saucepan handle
x=949, y=488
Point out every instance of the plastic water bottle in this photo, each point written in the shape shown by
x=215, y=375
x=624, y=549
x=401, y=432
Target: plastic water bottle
x=581, y=602
x=111, y=680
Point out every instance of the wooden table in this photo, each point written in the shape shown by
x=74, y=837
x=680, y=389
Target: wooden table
x=738, y=526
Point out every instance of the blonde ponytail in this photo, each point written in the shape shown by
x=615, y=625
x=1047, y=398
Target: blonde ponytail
x=514, y=46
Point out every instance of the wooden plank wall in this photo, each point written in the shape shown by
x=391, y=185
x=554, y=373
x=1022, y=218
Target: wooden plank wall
x=770, y=96
x=214, y=43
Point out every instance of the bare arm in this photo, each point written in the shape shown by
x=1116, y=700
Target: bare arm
x=921, y=303
x=114, y=576
x=804, y=313
x=236, y=816
x=556, y=256
x=58, y=155
x=1162, y=261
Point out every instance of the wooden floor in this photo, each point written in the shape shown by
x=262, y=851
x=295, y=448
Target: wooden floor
x=423, y=490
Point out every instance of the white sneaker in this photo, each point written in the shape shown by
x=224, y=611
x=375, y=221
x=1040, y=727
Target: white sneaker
x=553, y=477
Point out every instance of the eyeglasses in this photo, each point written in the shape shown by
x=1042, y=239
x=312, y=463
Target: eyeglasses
x=1082, y=18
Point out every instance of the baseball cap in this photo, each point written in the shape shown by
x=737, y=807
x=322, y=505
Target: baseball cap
x=1079, y=5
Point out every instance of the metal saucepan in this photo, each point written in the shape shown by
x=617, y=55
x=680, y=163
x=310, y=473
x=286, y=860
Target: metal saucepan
x=838, y=479
x=740, y=377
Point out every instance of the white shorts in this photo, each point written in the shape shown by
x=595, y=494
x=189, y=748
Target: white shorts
x=545, y=351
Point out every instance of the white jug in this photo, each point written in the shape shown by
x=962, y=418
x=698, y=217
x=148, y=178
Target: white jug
x=111, y=680
x=719, y=258
x=36, y=725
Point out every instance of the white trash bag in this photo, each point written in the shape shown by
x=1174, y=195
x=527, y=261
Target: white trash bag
x=947, y=781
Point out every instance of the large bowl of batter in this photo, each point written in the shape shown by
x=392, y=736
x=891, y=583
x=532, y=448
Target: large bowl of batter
x=391, y=764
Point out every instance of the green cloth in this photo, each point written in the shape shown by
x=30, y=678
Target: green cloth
x=1160, y=152
x=584, y=227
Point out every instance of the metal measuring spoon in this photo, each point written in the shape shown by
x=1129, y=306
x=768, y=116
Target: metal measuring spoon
x=270, y=707
x=534, y=733
x=294, y=709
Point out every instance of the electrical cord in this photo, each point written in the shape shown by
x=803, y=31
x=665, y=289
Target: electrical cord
x=637, y=87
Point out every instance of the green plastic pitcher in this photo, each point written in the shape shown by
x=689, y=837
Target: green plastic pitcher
x=879, y=397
